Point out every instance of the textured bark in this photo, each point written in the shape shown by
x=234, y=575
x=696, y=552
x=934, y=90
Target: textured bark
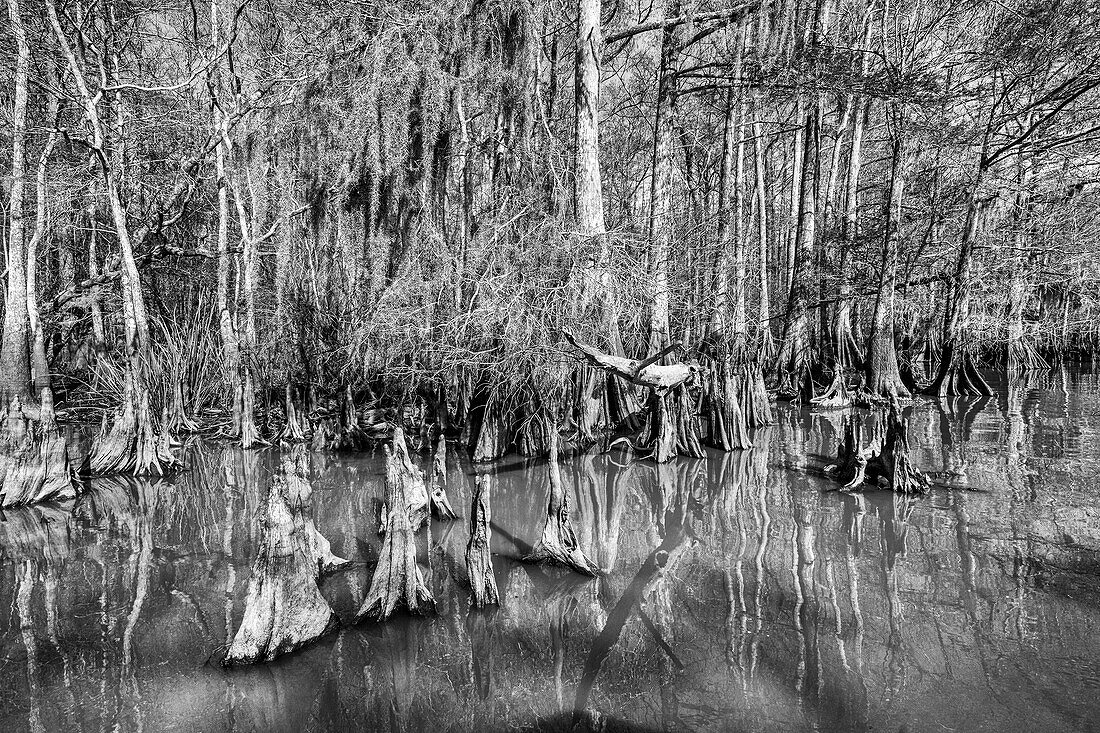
x=558, y=544
x=957, y=374
x=34, y=464
x=479, y=559
x=284, y=608
x=660, y=213
x=727, y=428
x=848, y=352
x=587, y=186
x=794, y=360
x=397, y=582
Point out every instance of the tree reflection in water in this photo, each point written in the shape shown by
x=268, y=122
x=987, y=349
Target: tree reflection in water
x=736, y=591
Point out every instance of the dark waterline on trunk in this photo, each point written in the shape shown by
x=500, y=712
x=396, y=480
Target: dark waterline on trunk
x=739, y=591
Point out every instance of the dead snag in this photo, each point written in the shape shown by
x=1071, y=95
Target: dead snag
x=437, y=488
x=284, y=608
x=479, y=560
x=558, y=544
x=672, y=424
x=293, y=480
x=398, y=582
x=885, y=464
x=645, y=373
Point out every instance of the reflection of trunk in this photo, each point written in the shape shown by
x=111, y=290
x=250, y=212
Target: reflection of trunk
x=482, y=632
x=558, y=544
x=479, y=560
x=398, y=582
x=284, y=608
x=656, y=565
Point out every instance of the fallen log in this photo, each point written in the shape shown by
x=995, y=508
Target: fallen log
x=644, y=373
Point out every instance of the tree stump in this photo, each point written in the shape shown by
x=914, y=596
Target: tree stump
x=437, y=488
x=284, y=608
x=479, y=560
x=558, y=544
x=398, y=582
x=885, y=464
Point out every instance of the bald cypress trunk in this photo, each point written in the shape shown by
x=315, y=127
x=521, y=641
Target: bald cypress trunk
x=131, y=445
x=15, y=365
x=883, y=375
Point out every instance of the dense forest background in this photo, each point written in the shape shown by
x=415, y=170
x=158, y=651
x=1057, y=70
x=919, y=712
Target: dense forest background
x=301, y=221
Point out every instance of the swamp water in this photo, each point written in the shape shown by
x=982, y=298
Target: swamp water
x=740, y=593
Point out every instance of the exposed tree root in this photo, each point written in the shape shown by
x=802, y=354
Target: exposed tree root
x=34, y=463
x=479, y=560
x=398, y=582
x=284, y=608
x=958, y=375
x=836, y=396
x=292, y=428
x=884, y=463
x=558, y=544
x=437, y=485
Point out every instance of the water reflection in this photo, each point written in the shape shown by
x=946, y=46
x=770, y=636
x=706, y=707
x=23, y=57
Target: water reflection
x=738, y=593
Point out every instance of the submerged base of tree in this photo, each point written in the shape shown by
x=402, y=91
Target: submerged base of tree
x=284, y=608
x=558, y=544
x=479, y=560
x=34, y=464
x=958, y=375
x=398, y=583
x=884, y=463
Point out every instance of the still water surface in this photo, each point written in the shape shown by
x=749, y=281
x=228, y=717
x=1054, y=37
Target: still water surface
x=740, y=592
